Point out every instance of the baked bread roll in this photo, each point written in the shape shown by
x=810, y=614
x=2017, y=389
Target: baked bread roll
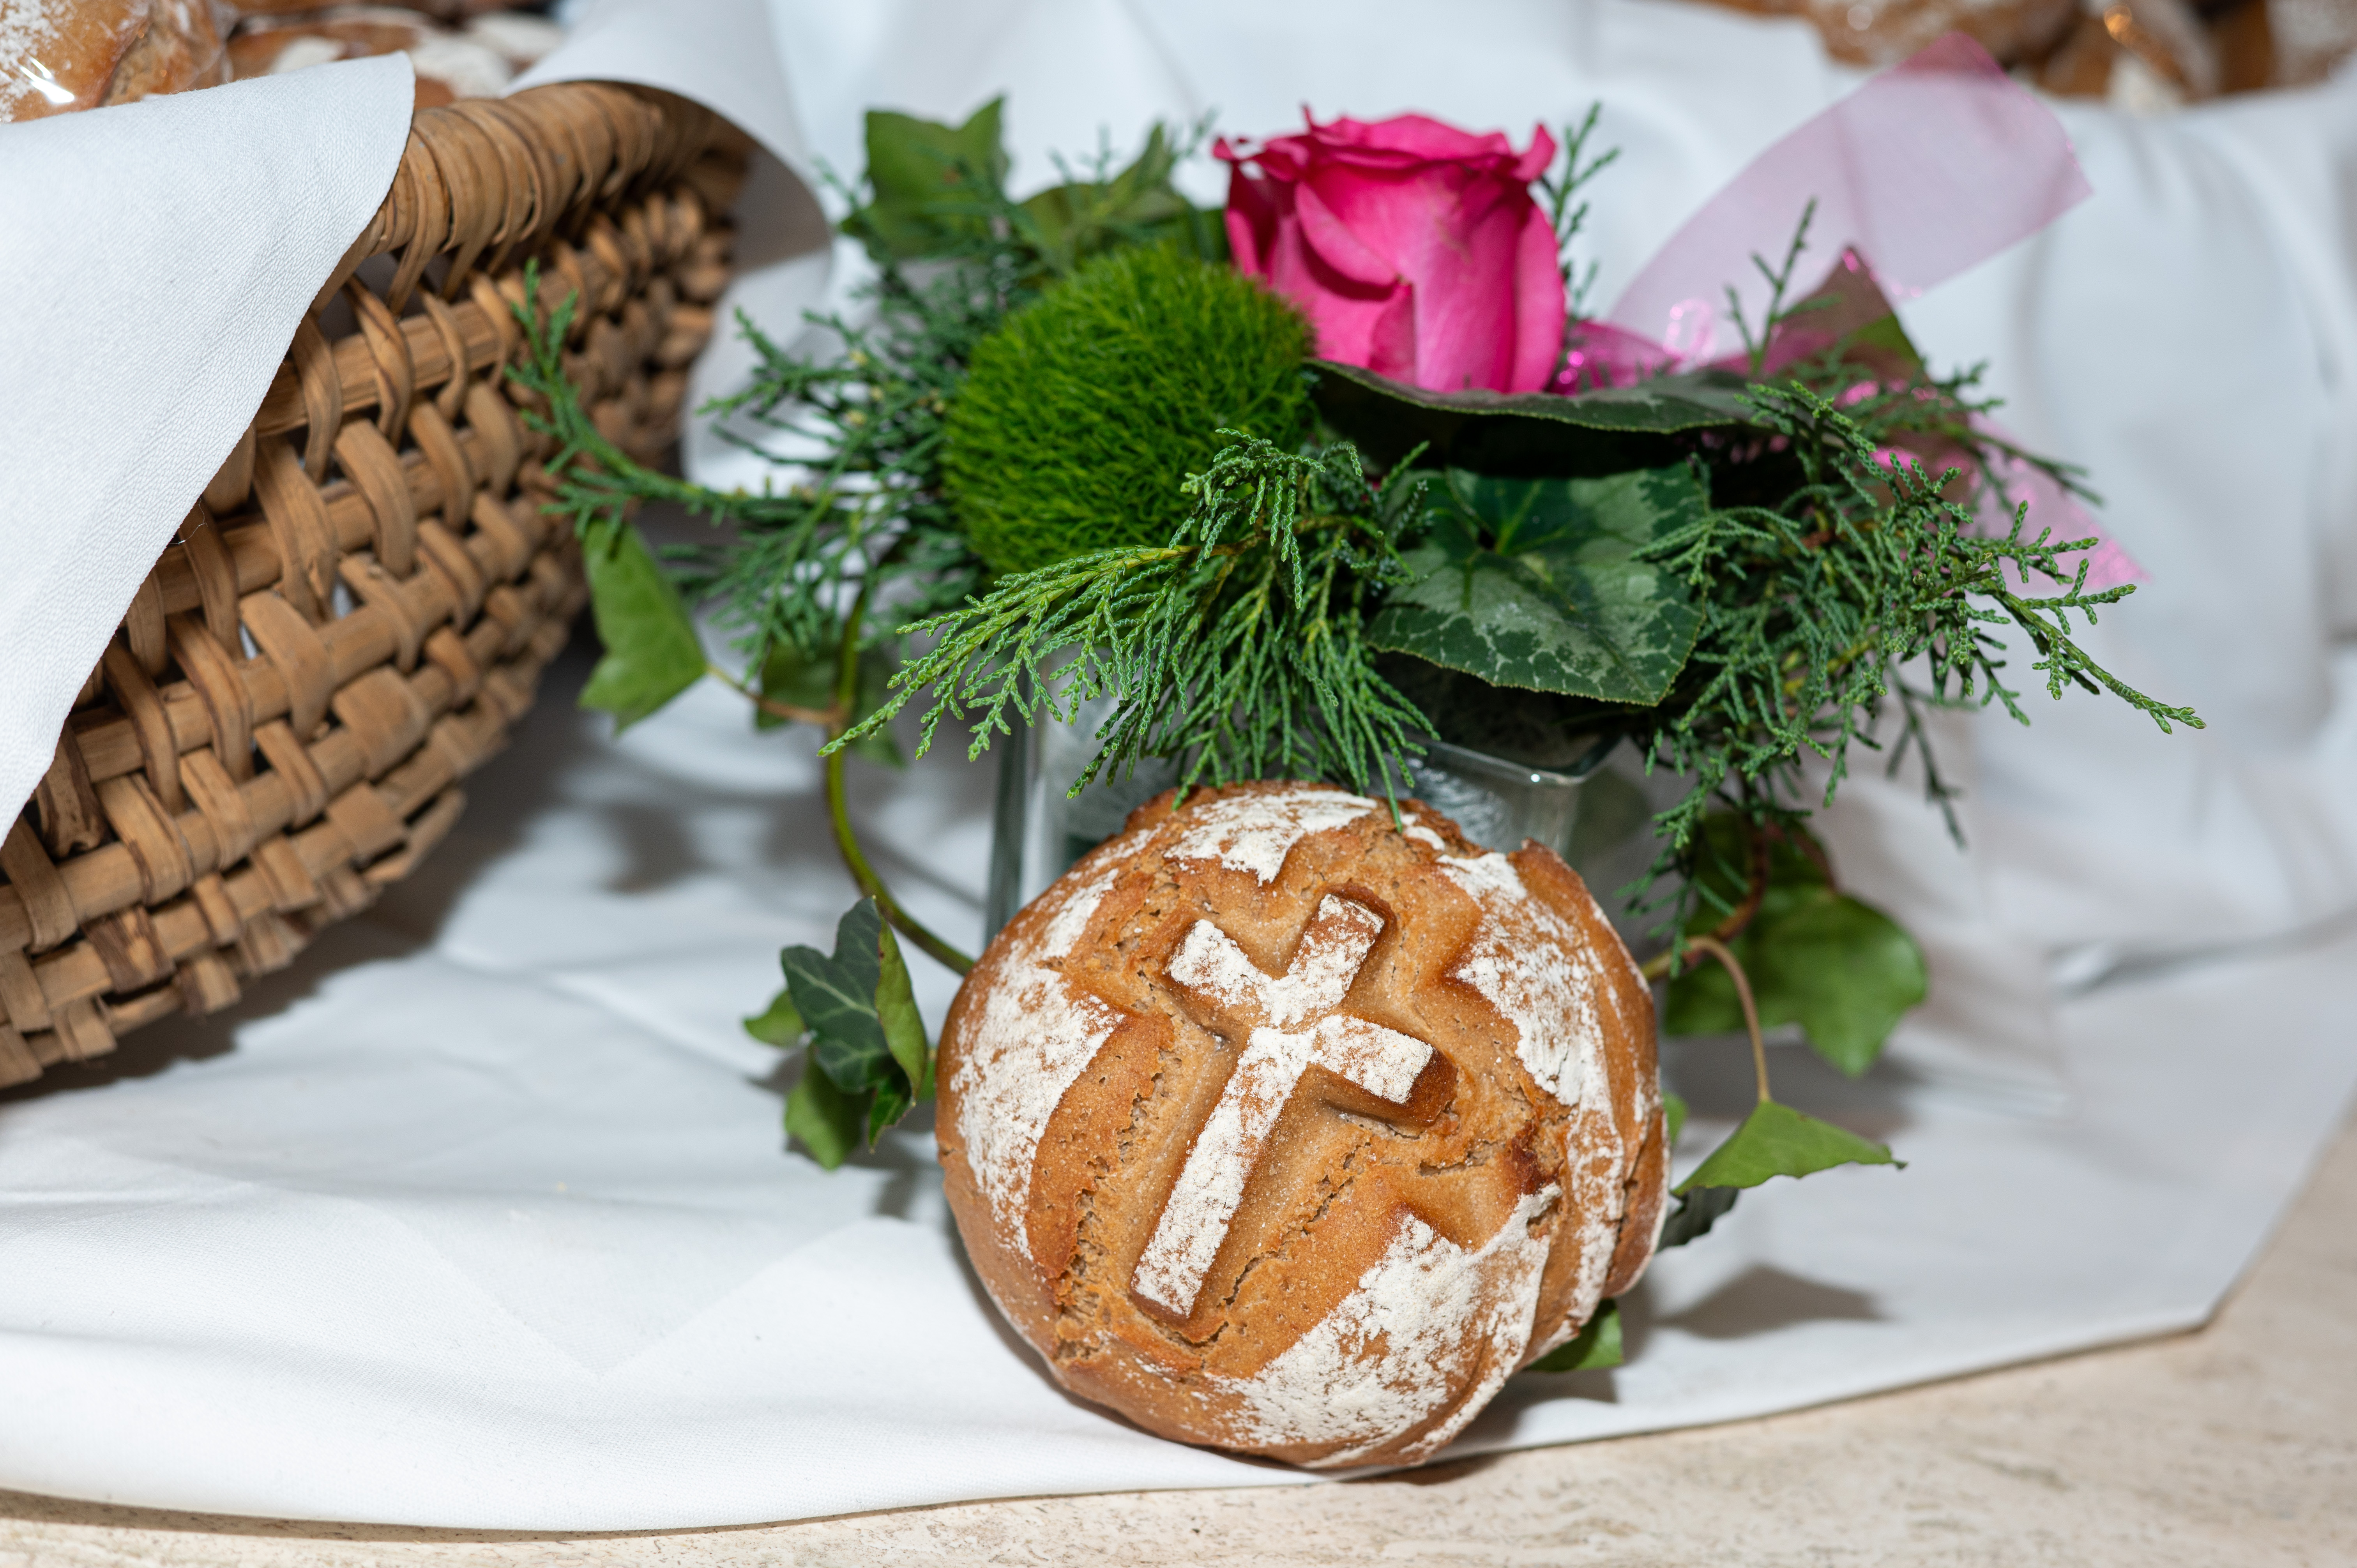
x=57, y=55
x=184, y=46
x=1884, y=32
x=449, y=66
x=1279, y=1130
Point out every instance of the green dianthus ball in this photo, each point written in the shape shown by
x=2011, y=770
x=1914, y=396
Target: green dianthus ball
x=1084, y=412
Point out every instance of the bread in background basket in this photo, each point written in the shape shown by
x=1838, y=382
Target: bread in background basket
x=58, y=56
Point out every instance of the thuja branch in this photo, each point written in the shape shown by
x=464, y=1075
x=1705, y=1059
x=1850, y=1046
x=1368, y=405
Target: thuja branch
x=1811, y=605
x=1237, y=647
x=599, y=484
x=1779, y=282
x=1560, y=191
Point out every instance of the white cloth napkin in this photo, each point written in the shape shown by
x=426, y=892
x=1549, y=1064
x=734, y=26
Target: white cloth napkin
x=482, y=1220
x=157, y=257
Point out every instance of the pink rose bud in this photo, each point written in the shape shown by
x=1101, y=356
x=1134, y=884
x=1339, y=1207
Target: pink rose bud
x=1414, y=248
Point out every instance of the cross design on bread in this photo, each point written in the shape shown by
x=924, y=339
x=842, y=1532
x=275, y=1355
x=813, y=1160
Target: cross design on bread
x=1289, y=1025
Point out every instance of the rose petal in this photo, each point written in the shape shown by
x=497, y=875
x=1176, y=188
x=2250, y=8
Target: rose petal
x=1540, y=158
x=1539, y=308
x=1337, y=244
x=1255, y=213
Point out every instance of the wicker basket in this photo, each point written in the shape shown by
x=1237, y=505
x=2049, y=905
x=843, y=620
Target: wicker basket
x=363, y=601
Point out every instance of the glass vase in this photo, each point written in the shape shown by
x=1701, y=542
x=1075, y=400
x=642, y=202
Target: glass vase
x=1039, y=829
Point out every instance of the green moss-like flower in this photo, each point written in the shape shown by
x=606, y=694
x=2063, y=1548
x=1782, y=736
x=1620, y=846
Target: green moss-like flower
x=1084, y=413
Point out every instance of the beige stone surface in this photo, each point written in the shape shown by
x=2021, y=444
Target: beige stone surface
x=2235, y=1445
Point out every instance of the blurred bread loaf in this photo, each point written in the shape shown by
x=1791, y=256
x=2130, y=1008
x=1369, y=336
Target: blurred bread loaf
x=2140, y=55
x=58, y=56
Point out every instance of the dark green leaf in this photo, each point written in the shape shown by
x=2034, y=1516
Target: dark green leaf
x=1596, y=1346
x=1776, y=1140
x=1849, y=315
x=1697, y=1210
x=1535, y=584
x=652, y=653
x=916, y=169
x=856, y=1065
x=865, y=1036
x=826, y=1120
x=781, y=1024
x=890, y=1104
x=1796, y=870
x=1673, y=1114
x=896, y=1014
x=1529, y=433
x=837, y=1009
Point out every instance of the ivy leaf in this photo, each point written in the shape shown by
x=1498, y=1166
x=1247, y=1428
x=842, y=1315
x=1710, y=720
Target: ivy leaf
x=779, y=1025
x=1596, y=1346
x=891, y=1103
x=1842, y=970
x=1776, y=1140
x=786, y=677
x=867, y=1038
x=823, y=1118
x=1673, y=1114
x=1696, y=1212
x=652, y=653
x=857, y=1066
x=915, y=170
x=1606, y=432
x=1535, y=583
x=896, y=1017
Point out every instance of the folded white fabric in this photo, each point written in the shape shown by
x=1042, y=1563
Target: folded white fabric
x=157, y=257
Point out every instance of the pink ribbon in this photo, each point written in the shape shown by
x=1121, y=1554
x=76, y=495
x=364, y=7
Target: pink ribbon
x=1930, y=168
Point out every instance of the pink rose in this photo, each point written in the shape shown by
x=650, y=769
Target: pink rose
x=1414, y=248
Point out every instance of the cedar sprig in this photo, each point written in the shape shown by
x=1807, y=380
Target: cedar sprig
x=1236, y=648
x=1812, y=605
x=1567, y=210
x=868, y=423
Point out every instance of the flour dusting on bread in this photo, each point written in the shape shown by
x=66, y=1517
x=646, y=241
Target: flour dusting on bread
x=1035, y=1035
x=1551, y=1004
x=1429, y=1318
x=1255, y=832
x=1372, y=1144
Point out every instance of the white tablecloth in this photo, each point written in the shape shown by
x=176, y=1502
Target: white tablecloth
x=481, y=1217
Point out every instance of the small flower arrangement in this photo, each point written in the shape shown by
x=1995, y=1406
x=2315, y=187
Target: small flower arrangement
x=1308, y=483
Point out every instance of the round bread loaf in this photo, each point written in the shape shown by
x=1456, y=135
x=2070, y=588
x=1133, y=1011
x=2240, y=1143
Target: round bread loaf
x=1277, y=1129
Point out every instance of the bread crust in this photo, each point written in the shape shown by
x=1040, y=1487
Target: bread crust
x=71, y=49
x=1282, y=1131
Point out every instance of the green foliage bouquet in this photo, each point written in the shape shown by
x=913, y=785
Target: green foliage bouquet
x=1084, y=445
